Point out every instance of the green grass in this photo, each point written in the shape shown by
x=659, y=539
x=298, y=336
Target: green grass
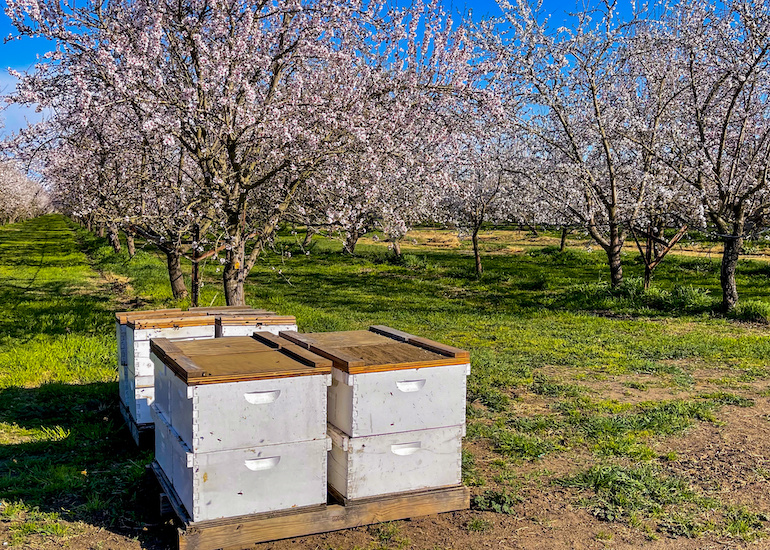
x=63, y=446
x=545, y=331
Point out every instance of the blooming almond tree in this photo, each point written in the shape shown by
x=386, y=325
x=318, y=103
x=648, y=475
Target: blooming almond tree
x=721, y=143
x=259, y=95
x=483, y=184
x=20, y=197
x=581, y=93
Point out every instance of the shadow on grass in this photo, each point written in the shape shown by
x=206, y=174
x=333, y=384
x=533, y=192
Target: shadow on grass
x=67, y=451
x=46, y=285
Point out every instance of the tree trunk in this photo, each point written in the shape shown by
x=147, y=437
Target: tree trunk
x=174, y=260
x=396, y=247
x=351, y=240
x=130, y=243
x=114, y=237
x=195, y=283
x=233, y=275
x=476, y=252
x=100, y=230
x=727, y=272
x=532, y=228
x=613, y=256
x=563, y=243
x=309, y=236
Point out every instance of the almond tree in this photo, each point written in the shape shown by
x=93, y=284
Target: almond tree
x=580, y=89
x=20, y=197
x=721, y=143
x=258, y=95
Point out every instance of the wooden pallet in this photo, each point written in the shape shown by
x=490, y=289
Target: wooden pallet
x=245, y=531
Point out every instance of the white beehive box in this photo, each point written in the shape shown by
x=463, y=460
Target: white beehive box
x=134, y=331
x=243, y=430
x=247, y=324
x=362, y=467
x=121, y=320
x=217, y=411
x=140, y=379
x=239, y=482
x=386, y=381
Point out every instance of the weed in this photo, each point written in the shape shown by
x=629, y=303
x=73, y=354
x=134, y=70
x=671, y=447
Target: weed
x=501, y=502
x=755, y=311
x=724, y=398
x=520, y=445
x=542, y=385
x=471, y=476
x=388, y=535
x=744, y=523
x=619, y=491
x=478, y=525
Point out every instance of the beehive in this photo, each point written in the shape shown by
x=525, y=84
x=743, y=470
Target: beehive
x=240, y=425
x=368, y=466
x=245, y=324
x=136, y=371
x=139, y=368
x=396, y=406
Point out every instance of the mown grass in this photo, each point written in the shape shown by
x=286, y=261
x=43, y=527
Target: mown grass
x=543, y=328
x=64, y=455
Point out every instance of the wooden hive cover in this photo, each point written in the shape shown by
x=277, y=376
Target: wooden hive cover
x=235, y=359
x=170, y=322
x=378, y=349
x=122, y=317
x=265, y=318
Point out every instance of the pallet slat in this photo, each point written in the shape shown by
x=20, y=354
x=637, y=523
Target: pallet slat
x=333, y=518
x=247, y=531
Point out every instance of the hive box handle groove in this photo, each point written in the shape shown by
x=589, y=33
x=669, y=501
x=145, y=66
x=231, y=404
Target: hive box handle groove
x=408, y=386
x=262, y=397
x=405, y=449
x=259, y=464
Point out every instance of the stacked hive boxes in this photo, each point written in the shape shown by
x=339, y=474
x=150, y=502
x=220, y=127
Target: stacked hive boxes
x=396, y=411
x=121, y=330
x=240, y=425
x=134, y=331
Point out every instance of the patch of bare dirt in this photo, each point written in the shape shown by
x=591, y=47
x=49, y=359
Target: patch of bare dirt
x=730, y=459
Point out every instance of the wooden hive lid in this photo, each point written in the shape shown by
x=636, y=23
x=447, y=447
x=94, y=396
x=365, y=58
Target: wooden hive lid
x=222, y=310
x=378, y=349
x=267, y=318
x=170, y=322
x=122, y=317
x=235, y=359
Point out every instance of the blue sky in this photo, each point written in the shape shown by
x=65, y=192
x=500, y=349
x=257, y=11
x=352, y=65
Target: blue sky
x=22, y=54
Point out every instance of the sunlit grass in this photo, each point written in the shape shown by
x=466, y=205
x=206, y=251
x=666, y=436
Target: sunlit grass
x=543, y=327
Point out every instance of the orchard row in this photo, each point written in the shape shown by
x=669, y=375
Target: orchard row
x=205, y=124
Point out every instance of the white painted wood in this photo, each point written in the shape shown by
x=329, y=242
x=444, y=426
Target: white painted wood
x=248, y=330
x=140, y=368
x=361, y=467
x=123, y=383
x=248, y=481
x=162, y=380
x=233, y=415
x=163, y=440
x=139, y=404
x=397, y=401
